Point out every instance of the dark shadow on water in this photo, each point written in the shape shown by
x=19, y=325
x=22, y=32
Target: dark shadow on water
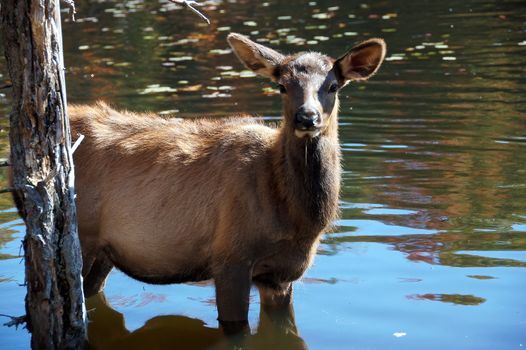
x=106, y=330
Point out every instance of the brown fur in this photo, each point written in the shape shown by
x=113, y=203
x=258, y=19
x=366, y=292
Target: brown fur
x=170, y=201
x=209, y=192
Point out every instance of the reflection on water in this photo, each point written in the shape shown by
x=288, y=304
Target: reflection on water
x=107, y=330
x=450, y=298
x=431, y=242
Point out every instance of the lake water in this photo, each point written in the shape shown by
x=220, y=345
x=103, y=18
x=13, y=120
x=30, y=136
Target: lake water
x=430, y=250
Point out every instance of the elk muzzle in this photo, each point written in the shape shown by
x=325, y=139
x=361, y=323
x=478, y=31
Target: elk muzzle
x=307, y=122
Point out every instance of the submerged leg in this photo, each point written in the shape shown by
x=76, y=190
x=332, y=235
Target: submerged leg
x=232, y=296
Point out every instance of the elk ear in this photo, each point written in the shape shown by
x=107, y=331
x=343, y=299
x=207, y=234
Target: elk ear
x=362, y=61
x=256, y=57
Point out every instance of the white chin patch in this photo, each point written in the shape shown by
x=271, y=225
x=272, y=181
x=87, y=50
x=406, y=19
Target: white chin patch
x=304, y=133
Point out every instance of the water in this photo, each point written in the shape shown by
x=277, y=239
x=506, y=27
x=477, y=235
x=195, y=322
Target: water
x=430, y=250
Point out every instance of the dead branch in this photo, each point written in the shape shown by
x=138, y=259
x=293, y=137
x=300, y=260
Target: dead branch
x=72, y=11
x=5, y=86
x=77, y=143
x=15, y=321
x=6, y=190
x=190, y=5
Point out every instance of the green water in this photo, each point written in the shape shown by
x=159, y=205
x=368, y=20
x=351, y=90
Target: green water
x=430, y=250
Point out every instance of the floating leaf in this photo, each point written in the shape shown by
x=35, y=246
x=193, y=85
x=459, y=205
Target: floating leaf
x=247, y=74
x=191, y=88
x=231, y=73
x=155, y=89
x=268, y=91
x=321, y=15
x=220, y=51
x=394, y=58
x=180, y=58
x=87, y=19
x=389, y=15
x=216, y=94
x=283, y=30
x=169, y=111
x=295, y=40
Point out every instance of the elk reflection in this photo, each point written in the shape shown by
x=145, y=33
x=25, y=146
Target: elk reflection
x=106, y=330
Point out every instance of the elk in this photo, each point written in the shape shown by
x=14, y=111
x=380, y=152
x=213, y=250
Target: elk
x=173, y=201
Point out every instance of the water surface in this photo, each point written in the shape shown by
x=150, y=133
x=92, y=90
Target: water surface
x=430, y=250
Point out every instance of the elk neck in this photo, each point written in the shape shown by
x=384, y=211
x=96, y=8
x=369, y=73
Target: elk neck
x=307, y=173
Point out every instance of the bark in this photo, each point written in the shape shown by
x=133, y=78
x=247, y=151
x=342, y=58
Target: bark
x=43, y=173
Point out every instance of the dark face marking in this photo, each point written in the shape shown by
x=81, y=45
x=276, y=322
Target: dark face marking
x=309, y=85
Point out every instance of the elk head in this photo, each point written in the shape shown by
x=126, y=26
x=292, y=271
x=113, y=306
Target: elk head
x=309, y=81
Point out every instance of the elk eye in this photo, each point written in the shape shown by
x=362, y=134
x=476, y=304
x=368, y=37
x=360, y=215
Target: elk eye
x=282, y=89
x=333, y=88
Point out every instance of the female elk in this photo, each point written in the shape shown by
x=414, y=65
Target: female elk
x=169, y=201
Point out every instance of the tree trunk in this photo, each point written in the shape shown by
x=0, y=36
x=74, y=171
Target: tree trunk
x=43, y=173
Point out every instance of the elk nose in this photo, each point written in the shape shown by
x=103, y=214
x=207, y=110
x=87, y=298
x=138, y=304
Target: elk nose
x=307, y=119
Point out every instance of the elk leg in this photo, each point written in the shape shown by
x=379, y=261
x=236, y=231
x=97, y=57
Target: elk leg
x=232, y=297
x=89, y=255
x=95, y=280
